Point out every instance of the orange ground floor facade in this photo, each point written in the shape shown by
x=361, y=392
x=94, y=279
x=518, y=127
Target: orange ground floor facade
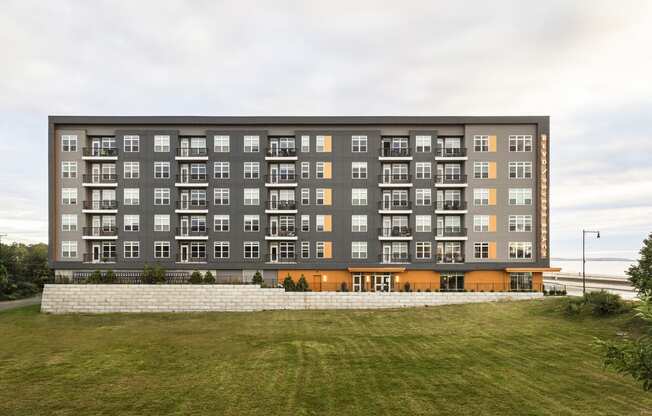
x=388, y=279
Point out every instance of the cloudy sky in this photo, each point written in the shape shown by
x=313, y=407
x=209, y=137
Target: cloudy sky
x=587, y=64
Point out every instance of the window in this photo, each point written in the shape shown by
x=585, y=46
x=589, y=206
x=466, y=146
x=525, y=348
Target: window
x=221, y=196
x=251, y=223
x=221, y=144
x=424, y=250
x=320, y=248
x=305, y=144
x=251, y=170
x=69, y=249
x=161, y=196
x=198, y=251
x=132, y=223
x=480, y=197
x=424, y=170
x=359, y=196
x=69, y=169
x=520, y=250
x=221, y=223
x=424, y=197
x=305, y=249
x=358, y=223
x=305, y=223
x=481, y=143
x=520, y=196
x=251, y=249
x=520, y=143
x=131, y=196
x=520, y=281
x=68, y=143
x=131, y=249
x=520, y=170
x=251, y=196
x=221, y=250
x=520, y=223
x=481, y=170
x=480, y=223
x=359, y=170
x=132, y=143
x=131, y=170
x=320, y=144
x=161, y=249
x=221, y=170
x=69, y=196
x=424, y=223
x=359, y=144
x=162, y=170
x=358, y=249
x=161, y=223
x=319, y=170
x=451, y=281
x=320, y=194
x=481, y=250
x=69, y=222
x=161, y=144
x=251, y=144
x=305, y=196
x=424, y=144
x=319, y=223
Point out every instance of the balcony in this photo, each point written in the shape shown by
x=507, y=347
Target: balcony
x=395, y=180
x=192, y=153
x=281, y=180
x=88, y=258
x=192, y=207
x=281, y=154
x=443, y=207
x=281, y=233
x=100, y=180
x=395, y=258
x=281, y=207
x=192, y=180
x=290, y=258
x=100, y=233
x=395, y=154
x=395, y=207
x=450, y=258
x=452, y=180
x=395, y=233
x=191, y=259
x=450, y=233
x=100, y=207
x=191, y=233
x=450, y=153
x=99, y=153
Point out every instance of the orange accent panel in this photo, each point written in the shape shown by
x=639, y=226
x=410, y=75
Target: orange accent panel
x=328, y=170
x=492, y=170
x=492, y=250
x=328, y=223
x=492, y=196
x=492, y=143
x=328, y=196
x=328, y=144
x=492, y=223
x=328, y=249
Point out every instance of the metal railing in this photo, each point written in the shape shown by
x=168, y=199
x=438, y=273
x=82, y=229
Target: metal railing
x=281, y=205
x=192, y=178
x=192, y=151
x=192, y=231
x=281, y=259
x=193, y=204
x=395, y=205
x=99, y=151
x=450, y=258
x=450, y=151
x=100, y=178
x=281, y=178
x=395, y=231
x=279, y=152
x=104, y=231
x=395, y=258
x=191, y=259
x=450, y=205
x=450, y=178
x=88, y=258
x=450, y=232
x=385, y=152
x=394, y=178
x=106, y=204
x=281, y=232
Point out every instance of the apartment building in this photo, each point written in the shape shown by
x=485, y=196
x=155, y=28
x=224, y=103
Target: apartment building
x=354, y=203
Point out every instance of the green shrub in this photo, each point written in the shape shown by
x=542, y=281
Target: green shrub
x=208, y=278
x=257, y=279
x=109, y=277
x=302, y=285
x=288, y=284
x=604, y=303
x=406, y=287
x=147, y=276
x=344, y=287
x=196, y=278
x=573, y=306
x=95, y=278
x=158, y=274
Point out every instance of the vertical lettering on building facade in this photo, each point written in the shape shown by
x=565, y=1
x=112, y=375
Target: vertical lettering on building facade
x=543, y=190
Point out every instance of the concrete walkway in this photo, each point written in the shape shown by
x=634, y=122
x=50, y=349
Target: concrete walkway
x=12, y=304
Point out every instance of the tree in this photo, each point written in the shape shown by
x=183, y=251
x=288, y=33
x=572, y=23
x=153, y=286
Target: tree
x=95, y=278
x=196, y=278
x=109, y=277
x=257, y=279
x=158, y=274
x=208, y=278
x=288, y=284
x=4, y=279
x=147, y=276
x=641, y=274
x=302, y=284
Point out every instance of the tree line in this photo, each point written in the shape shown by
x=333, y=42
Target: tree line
x=23, y=269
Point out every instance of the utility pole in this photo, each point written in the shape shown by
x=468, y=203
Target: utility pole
x=584, y=233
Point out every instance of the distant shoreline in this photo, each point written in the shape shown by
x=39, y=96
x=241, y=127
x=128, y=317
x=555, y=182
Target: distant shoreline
x=593, y=259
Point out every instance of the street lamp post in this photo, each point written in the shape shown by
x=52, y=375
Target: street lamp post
x=584, y=233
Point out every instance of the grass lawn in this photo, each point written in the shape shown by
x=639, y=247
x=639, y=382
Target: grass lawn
x=522, y=358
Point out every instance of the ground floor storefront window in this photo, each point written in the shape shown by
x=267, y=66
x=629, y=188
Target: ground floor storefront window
x=451, y=282
x=520, y=281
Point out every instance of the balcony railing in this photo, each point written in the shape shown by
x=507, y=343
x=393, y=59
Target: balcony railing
x=88, y=258
x=277, y=152
x=451, y=205
x=394, y=258
x=106, y=204
x=450, y=258
x=395, y=205
x=289, y=258
x=450, y=151
x=99, y=152
x=281, y=205
x=385, y=152
x=450, y=232
x=395, y=231
x=100, y=178
x=192, y=178
x=281, y=232
x=191, y=259
x=192, y=204
x=107, y=231
x=281, y=178
x=395, y=178
x=192, y=151
x=192, y=231
x=452, y=178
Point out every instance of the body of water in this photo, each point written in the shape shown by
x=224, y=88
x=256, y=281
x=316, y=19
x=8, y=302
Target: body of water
x=614, y=268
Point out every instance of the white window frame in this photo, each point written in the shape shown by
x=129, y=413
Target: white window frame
x=251, y=144
x=519, y=224
x=305, y=144
x=359, y=170
x=159, y=247
x=224, y=193
x=131, y=143
x=520, y=143
x=423, y=170
x=222, y=223
x=481, y=223
x=69, y=250
x=481, y=170
x=251, y=196
x=423, y=143
x=359, y=197
x=359, y=144
x=421, y=195
x=423, y=223
x=161, y=223
x=359, y=224
x=161, y=195
x=131, y=250
x=481, y=197
x=520, y=170
x=69, y=222
x=251, y=245
x=68, y=169
x=131, y=196
x=161, y=143
x=423, y=250
x=131, y=223
x=222, y=168
x=69, y=196
x=69, y=143
x=252, y=170
x=519, y=250
x=359, y=250
x=251, y=223
x=221, y=144
x=131, y=170
x=222, y=246
x=520, y=196
x=481, y=143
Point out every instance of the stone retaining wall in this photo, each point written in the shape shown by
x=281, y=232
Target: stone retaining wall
x=204, y=298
